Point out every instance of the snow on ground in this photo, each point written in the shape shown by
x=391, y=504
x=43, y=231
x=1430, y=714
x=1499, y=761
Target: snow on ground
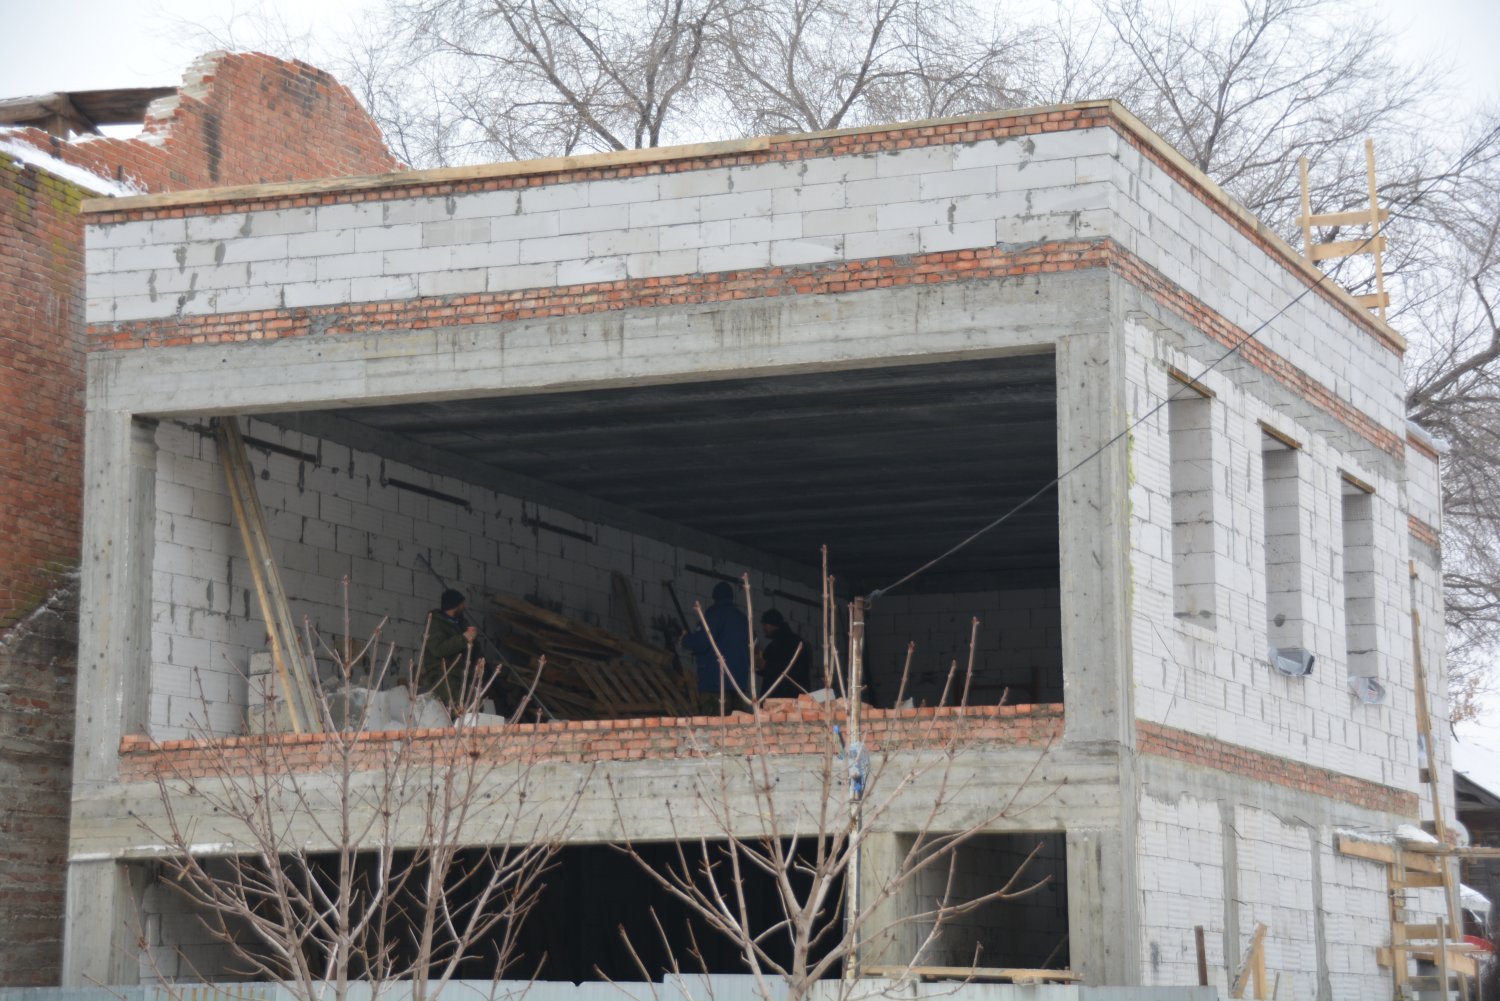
x=33, y=157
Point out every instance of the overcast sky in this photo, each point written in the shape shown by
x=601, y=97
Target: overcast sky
x=51, y=45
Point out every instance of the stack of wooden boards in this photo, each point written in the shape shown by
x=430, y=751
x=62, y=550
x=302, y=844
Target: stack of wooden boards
x=589, y=673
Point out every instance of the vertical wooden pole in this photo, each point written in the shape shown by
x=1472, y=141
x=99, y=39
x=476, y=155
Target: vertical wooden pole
x=1202, y=956
x=856, y=837
x=1375, y=226
x=1434, y=785
x=1306, y=209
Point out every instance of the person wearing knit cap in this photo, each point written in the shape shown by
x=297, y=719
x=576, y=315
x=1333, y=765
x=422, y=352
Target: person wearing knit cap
x=448, y=651
x=787, y=659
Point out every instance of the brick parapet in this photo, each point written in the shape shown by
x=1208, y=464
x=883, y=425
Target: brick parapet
x=795, y=727
x=783, y=149
x=1208, y=752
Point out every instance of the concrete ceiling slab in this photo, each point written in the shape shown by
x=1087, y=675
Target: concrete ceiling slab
x=887, y=466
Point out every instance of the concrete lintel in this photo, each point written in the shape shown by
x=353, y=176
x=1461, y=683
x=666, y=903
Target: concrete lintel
x=623, y=348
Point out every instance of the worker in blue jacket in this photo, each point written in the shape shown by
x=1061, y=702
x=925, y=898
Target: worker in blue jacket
x=731, y=633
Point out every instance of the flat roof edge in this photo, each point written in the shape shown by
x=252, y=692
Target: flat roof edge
x=1122, y=116
x=547, y=165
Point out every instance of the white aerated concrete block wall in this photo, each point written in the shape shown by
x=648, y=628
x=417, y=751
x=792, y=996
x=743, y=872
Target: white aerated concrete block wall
x=1180, y=852
x=342, y=516
x=1276, y=883
x=1019, y=646
x=1212, y=675
x=1355, y=917
x=1056, y=186
x=1273, y=876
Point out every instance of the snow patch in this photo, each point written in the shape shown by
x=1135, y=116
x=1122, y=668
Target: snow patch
x=73, y=174
x=1412, y=833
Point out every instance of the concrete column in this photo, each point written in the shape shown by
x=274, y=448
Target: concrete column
x=1103, y=920
x=1094, y=514
x=114, y=663
x=103, y=925
x=1093, y=508
x=880, y=864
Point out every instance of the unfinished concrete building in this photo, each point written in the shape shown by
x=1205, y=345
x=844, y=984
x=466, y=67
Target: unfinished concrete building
x=679, y=365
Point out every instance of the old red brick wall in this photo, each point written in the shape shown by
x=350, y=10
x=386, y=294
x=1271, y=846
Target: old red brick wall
x=41, y=384
x=239, y=119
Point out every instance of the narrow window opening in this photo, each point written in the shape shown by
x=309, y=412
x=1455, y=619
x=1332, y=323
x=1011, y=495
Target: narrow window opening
x=1282, y=508
x=1190, y=431
x=1359, y=581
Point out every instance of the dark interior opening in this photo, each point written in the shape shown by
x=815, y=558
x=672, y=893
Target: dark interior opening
x=888, y=467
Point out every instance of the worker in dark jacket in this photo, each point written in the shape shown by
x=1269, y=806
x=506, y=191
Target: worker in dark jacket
x=731, y=633
x=784, y=654
x=447, y=654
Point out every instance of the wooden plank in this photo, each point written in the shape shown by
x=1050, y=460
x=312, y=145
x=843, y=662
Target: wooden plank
x=1418, y=932
x=580, y=629
x=1349, y=217
x=1202, y=951
x=1307, y=237
x=626, y=596
x=1013, y=974
x=1247, y=964
x=1417, y=881
x=281, y=628
x=1369, y=850
x=1374, y=300
x=1347, y=248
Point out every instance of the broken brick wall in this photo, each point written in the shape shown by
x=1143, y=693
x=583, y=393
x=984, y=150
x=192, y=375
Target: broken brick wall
x=238, y=119
x=243, y=118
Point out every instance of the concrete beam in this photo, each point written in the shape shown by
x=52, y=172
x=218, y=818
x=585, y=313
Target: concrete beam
x=623, y=800
x=624, y=348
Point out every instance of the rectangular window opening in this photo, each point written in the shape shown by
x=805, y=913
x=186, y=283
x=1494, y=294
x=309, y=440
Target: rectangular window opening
x=1282, y=508
x=1190, y=433
x=1359, y=580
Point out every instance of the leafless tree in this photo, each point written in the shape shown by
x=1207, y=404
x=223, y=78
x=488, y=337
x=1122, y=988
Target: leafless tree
x=1454, y=392
x=810, y=65
x=799, y=819
x=363, y=857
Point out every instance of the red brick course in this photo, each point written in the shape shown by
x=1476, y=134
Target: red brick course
x=1423, y=532
x=794, y=727
x=1206, y=752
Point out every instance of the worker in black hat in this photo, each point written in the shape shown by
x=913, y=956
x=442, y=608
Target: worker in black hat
x=785, y=658
x=448, y=651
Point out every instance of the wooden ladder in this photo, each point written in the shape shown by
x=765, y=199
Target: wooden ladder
x=1370, y=216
